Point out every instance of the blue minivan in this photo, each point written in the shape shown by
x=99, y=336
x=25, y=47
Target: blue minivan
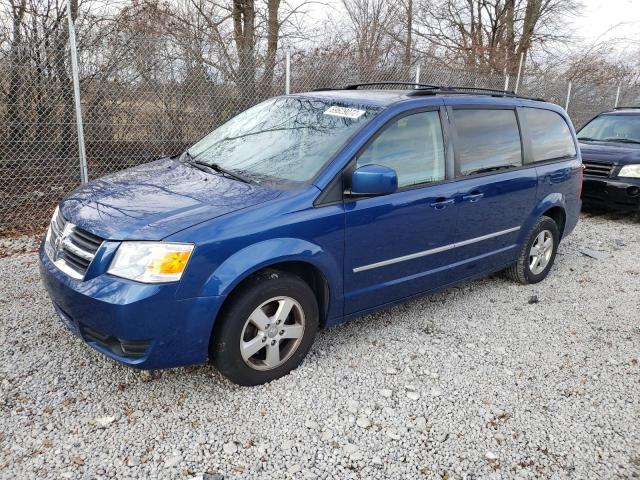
x=307, y=210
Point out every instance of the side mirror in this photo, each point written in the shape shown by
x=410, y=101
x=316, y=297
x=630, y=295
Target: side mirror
x=374, y=180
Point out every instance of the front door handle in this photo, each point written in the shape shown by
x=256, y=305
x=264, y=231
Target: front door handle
x=472, y=197
x=441, y=203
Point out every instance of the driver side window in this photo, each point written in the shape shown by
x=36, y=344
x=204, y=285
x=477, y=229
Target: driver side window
x=412, y=146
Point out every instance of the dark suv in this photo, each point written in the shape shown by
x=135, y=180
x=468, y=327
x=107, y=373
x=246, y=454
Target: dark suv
x=610, y=145
x=305, y=211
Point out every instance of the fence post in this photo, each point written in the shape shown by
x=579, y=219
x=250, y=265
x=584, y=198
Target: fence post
x=566, y=105
x=165, y=117
x=287, y=74
x=519, y=72
x=617, y=95
x=84, y=174
x=506, y=83
x=417, y=75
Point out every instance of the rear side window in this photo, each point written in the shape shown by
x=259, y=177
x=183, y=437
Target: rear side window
x=549, y=133
x=412, y=146
x=487, y=140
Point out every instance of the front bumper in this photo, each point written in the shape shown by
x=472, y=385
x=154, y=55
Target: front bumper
x=140, y=325
x=620, y=194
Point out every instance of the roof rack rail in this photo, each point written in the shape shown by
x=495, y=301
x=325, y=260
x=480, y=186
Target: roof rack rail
x=627, y=108
x=427, y=89
x=355, y=86
x=447, y=88
x=434, y=90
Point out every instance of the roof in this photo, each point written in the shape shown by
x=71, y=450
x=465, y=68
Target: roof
x=379, y=98
x=623, y=111
x=385, y=97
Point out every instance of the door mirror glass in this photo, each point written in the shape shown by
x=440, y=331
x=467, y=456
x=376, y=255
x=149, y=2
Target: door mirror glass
x=374, y=180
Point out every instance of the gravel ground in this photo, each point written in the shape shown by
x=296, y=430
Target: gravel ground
x=488, y=380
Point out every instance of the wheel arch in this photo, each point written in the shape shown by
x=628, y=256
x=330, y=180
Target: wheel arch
x=307, y=260
x=558, y=215
x=307, y=271
x=553, y=206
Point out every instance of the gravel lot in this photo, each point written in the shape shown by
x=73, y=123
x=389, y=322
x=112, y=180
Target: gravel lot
x=489, y=380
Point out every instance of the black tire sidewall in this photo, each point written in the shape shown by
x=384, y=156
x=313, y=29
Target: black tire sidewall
x=225, y=347
x=545, y=223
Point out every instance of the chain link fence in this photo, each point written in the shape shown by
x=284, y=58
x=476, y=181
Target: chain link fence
x=154, y=104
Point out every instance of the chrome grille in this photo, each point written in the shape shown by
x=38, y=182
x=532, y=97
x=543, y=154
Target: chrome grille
x=597, y=169
x=69, y=247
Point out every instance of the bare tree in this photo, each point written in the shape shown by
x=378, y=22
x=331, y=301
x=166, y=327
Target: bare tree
x=16, y=73
x=273, y=37
x=371, y=22
x=408, y=4
x=490, y=35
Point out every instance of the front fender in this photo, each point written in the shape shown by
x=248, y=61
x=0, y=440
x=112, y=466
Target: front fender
x=270, y=252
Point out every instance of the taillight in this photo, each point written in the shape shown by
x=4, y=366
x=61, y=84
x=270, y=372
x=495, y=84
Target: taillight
x=581, y=177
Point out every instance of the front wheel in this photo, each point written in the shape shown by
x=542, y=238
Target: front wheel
x=266, y=330
x=538, y=253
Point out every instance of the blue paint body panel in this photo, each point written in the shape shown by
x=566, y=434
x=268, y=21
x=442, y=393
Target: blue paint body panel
x=153, y=200
x=240, y=228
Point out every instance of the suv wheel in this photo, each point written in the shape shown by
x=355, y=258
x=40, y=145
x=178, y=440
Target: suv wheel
x=266, y=330
x=538, y=253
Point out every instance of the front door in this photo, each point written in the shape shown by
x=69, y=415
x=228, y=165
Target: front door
x=397, y=244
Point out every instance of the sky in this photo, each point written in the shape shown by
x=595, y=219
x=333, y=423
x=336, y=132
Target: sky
x=599, y=16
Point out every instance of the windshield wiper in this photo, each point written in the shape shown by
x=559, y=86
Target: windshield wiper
x=621, y=140
x=589, y=139
x=224, y=171
x=211, y=167
x=186, y=157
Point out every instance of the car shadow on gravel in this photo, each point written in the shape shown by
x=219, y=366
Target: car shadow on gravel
x=415, y=317
x=330, y=341
x=599, y=213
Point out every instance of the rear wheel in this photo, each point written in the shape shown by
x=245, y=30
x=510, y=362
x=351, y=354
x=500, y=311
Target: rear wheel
x=538, y=253
x=266, y=330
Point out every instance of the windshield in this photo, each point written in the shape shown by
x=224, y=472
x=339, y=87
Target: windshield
x=283, y=139
x=612, y=128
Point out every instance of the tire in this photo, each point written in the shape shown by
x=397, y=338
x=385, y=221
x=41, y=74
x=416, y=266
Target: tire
x=522, y=271
x=255, y=319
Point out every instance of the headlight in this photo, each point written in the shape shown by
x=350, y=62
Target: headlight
x=48, y=248
x=150, y=262
x=631, y=171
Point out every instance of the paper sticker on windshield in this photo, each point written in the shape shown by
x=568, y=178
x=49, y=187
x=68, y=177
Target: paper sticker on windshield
x=344, y=112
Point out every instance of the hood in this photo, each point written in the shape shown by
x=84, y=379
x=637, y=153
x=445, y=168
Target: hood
x=610, y=152
x=154, y=200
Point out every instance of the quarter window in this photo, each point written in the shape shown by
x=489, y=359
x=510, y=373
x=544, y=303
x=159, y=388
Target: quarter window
x=412, y=146
x=487, y=140
x=550, y=135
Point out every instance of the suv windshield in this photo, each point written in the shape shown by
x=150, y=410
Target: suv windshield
x=286, y=139
x=612, y=128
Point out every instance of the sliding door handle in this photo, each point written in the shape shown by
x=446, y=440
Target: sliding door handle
x=441, y=203
x=472, y=197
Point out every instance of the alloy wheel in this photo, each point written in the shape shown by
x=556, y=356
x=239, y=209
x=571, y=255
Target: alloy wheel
x=541, y=252
x=272, y=333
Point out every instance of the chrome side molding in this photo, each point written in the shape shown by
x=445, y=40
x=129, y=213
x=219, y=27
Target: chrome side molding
x=424, y=253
